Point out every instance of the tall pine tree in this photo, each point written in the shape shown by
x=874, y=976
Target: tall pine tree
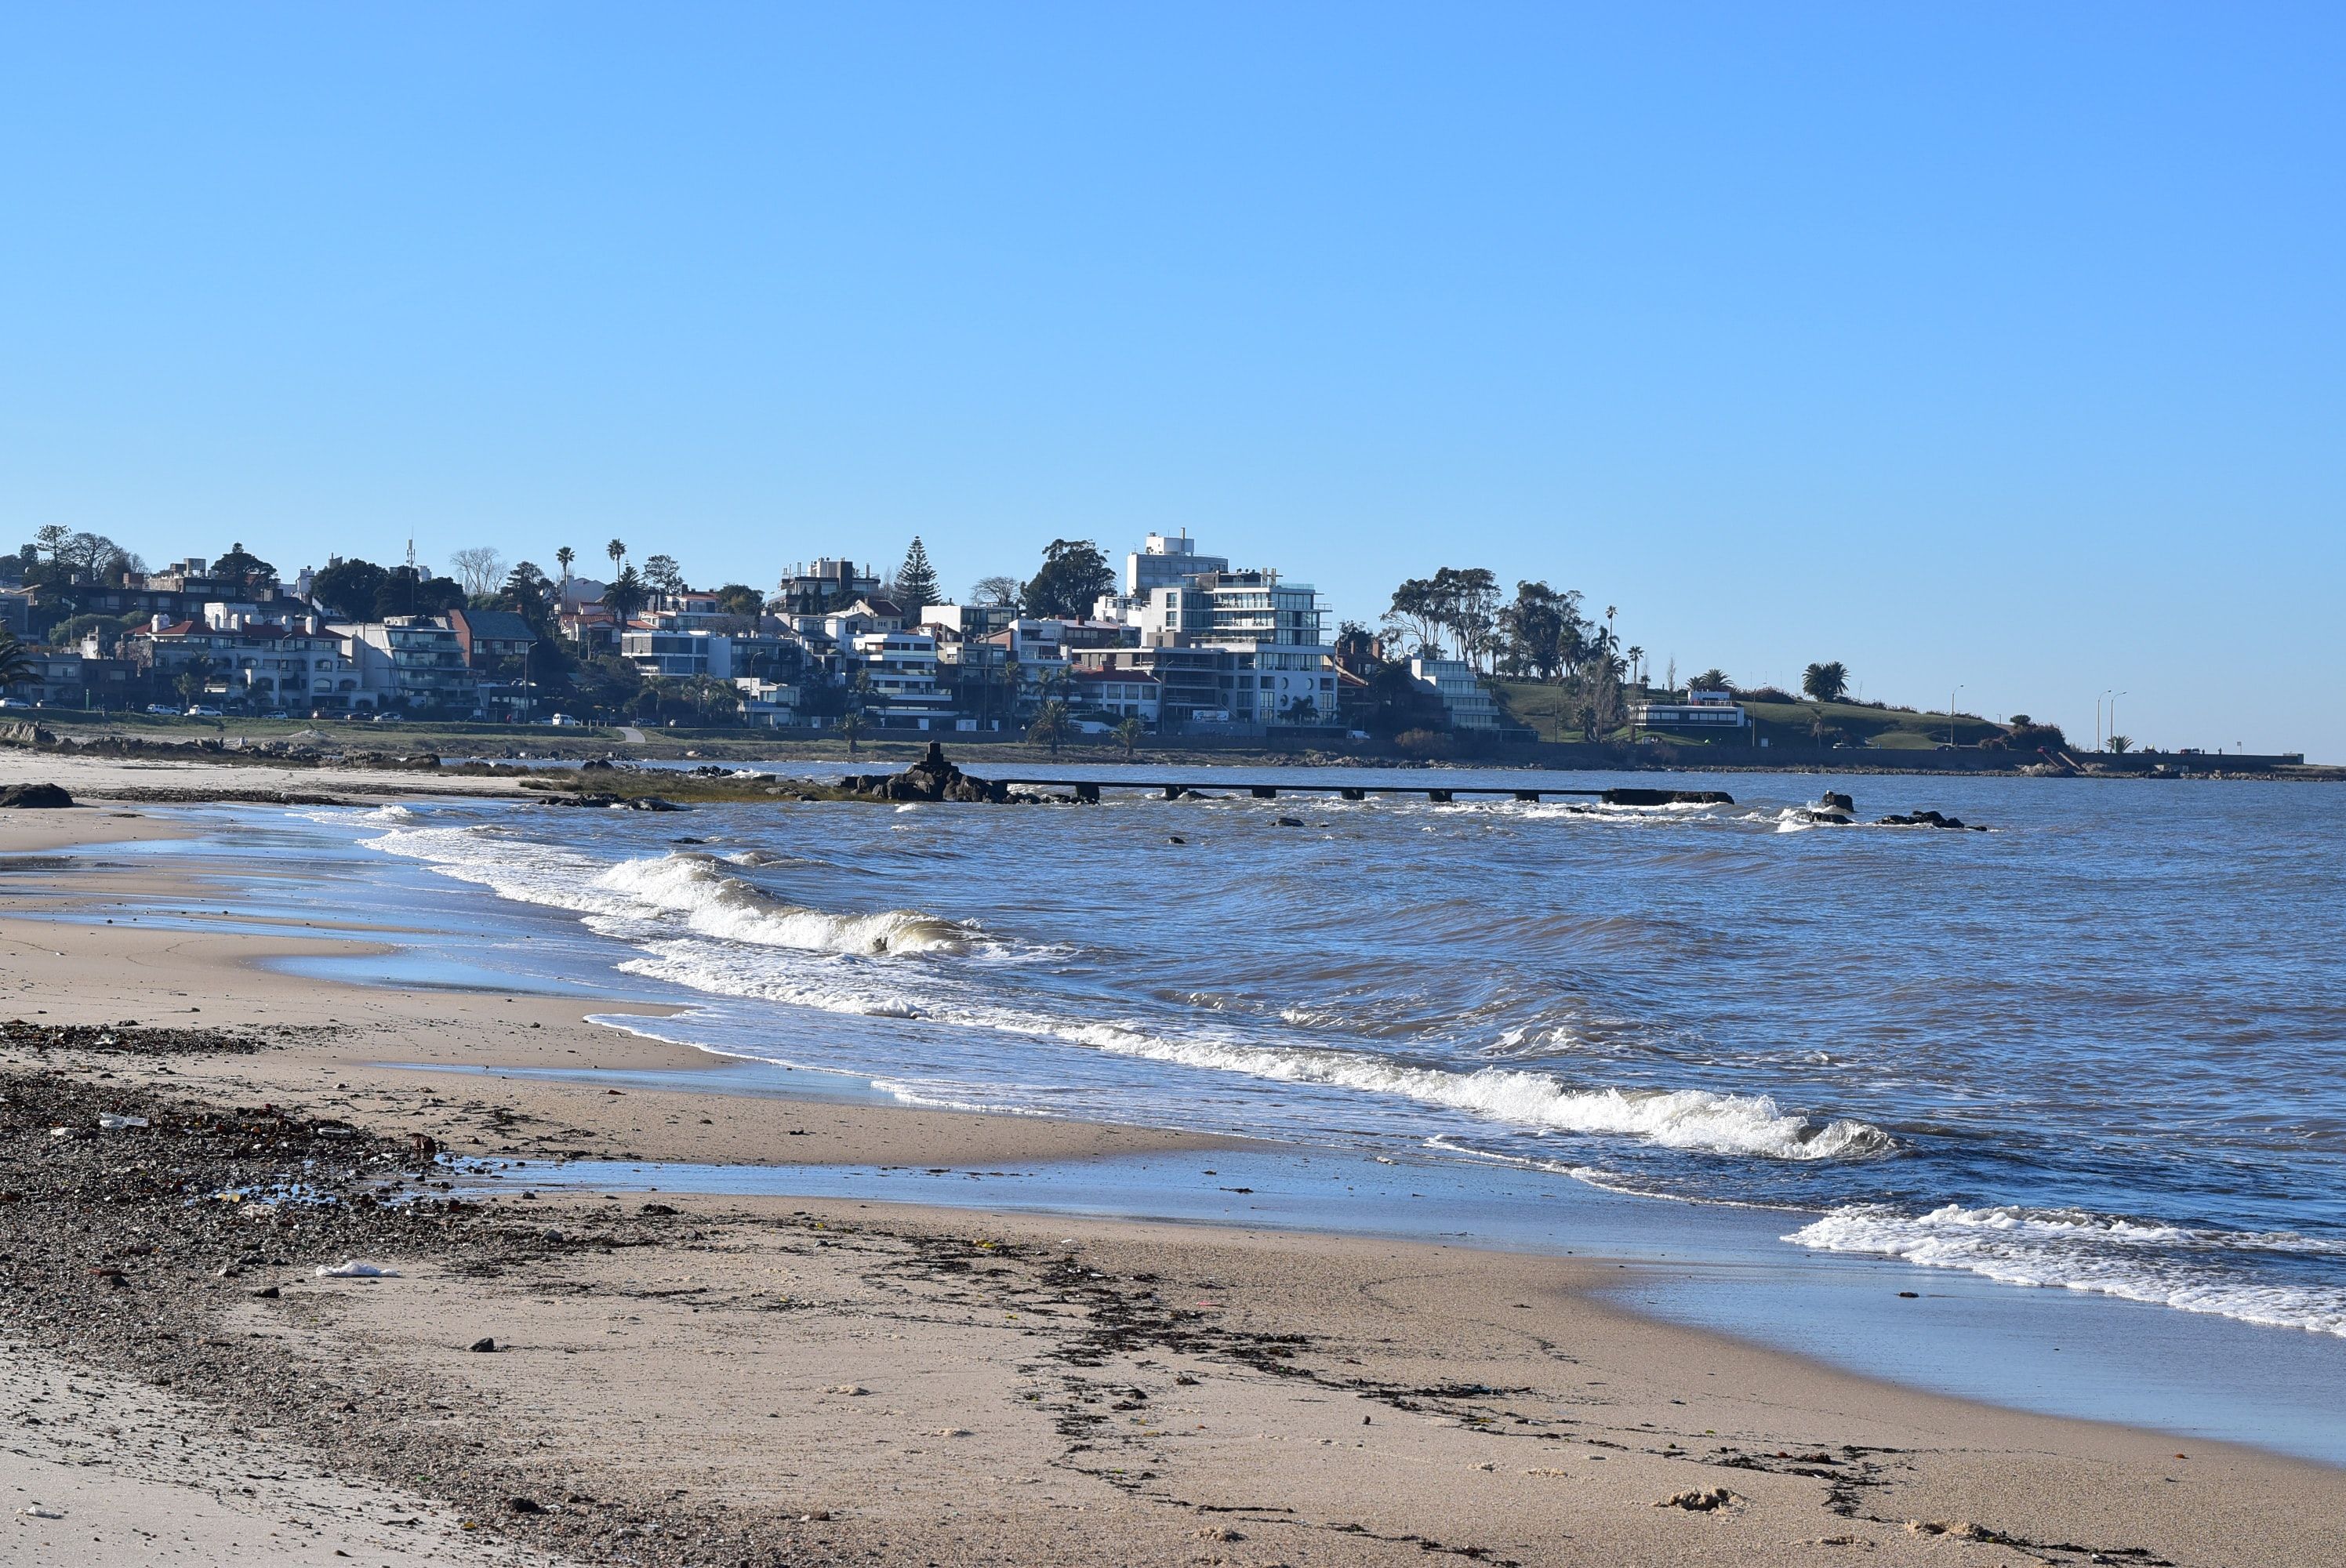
x=916, y=583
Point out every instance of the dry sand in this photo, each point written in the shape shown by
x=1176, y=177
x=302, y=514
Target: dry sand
x=890, y=1384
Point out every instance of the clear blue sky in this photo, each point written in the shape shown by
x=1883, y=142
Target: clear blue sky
x=1998, y=345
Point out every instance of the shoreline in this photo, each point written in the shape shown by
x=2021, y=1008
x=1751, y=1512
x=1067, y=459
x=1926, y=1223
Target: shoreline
x=171, y=774
x=329, y=1042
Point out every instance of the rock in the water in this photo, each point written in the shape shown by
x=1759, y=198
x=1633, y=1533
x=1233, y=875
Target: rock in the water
x=931, y=778
x=1928, y=820
x=35, y=797
x=1629, y=797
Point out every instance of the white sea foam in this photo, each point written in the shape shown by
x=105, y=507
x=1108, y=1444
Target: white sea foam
x=2165, y=1265
x=644, y=901
x=716, y=904
x=1675, y=1119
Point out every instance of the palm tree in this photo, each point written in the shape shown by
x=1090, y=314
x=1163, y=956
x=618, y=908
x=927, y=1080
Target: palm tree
x=562, y=558
x=618, y=550
x=1130, y=733
x=1051, y=726
x=851, y=729
x=15, y=660
x=1826, y=682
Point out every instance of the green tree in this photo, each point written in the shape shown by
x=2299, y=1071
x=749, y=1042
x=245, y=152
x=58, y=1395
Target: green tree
x=563, y=555
x=2121, y=744
x=1074, y=576
x=1542, y=628
x=1712, y=679
x=241, y=565
x=348, y=589
x=664, y=578
x=529, y=594
x=16, y=661
x=1466, y=600
x=916, y=583
x=1051, y=726
x=741, y=600
x=407, y=592
x=1416, y=616
x=193, y=678
x=625, y=596
x=618, y=550
x=851, y=729
x=1826, y=682
x=1130, y=734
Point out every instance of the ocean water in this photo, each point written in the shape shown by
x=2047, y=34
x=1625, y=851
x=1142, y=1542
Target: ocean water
x=2098, y=1047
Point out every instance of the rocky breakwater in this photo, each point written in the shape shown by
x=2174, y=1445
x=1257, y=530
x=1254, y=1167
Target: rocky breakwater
x=1837, y=810
x=934, y=779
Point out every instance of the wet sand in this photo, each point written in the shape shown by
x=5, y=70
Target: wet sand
x=788, y=1379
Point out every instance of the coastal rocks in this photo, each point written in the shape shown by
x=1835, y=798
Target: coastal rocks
x=931, y=779
x=601, y=800
x=35, y=798
x=1929, y=819
x=1701, y=1501
x=1629, y=797
x=20, y=733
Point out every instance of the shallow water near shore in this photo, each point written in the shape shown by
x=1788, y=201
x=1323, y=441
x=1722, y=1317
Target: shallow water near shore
x=1706, y=1265
x=2095, y=1048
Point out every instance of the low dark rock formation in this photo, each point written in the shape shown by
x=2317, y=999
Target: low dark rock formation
x=1929, y=819
x=931, y=778
x=1667, y=797
x=613, y=802
x=35, y=797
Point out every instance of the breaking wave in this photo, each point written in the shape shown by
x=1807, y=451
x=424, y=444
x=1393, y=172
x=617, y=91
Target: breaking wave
x=2073, y=1249
x=1698, y=1119
x=715, y=903
x=1692, y=1119
x=695, y=887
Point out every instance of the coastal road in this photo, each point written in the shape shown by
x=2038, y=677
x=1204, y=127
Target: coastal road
x=631, y=734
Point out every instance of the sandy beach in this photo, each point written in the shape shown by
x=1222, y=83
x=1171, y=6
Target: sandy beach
x=710, y=1379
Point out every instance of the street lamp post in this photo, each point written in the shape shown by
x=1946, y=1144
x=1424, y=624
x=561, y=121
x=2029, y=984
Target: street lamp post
x=1951, y=713
x=2113, y=713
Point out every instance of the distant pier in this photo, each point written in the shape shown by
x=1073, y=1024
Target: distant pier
x=1089, y=789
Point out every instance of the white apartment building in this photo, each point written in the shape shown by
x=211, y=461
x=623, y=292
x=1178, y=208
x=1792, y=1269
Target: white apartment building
x=1162, y=561
x=1461, y=690
x=1268, y=639
x=900, y=678
x=269, y=661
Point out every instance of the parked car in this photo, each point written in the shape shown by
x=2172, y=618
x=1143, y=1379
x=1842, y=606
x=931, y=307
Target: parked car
x=14, y=702
x=200, y=711
x=165, y=708
x=276, y=713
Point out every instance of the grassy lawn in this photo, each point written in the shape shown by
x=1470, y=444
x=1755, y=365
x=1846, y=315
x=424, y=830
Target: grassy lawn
x=1546, y=709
